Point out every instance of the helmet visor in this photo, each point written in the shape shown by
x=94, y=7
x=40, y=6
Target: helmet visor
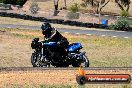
x=45, y=28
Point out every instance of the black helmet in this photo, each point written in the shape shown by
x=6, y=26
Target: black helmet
x=46, y=27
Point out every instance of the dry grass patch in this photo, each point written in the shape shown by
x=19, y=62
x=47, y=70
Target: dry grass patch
x=105, y=51
x=54, y=79
x=102, y=51
x=111, y=7
x=8, y=20
x=15, y=21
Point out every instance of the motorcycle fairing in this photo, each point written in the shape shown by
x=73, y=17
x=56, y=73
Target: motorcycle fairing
x=71, y=47
x=74, y=46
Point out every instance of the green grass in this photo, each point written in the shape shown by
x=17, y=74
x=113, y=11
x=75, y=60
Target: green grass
x=105, y=41
x=18, y=29
x=129, y=20
x=18, y=35
x=23, y=36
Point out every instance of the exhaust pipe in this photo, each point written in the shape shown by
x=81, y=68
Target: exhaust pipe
x=78, y=55
x=82, y=53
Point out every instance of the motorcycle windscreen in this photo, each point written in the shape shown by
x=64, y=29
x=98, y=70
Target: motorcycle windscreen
x=74, y=46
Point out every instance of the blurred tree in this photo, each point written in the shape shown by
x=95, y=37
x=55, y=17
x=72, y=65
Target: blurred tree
x=56, y=4
x=34, y=7
x=14, y=2
x=98, y=4
x=1, y=1
x=56, y=7
x=123, y=4
x=65, y=6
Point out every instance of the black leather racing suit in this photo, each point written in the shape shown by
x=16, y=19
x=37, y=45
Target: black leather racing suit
x=55, y=36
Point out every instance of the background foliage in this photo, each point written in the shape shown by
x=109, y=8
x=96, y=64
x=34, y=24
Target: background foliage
x=14, y=2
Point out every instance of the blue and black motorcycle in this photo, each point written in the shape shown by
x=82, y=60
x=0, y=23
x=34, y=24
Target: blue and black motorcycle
x=46, y=54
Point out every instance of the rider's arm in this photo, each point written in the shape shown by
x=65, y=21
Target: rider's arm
x=63, y=41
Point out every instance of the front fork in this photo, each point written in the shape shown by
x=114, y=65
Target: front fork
x=43, y=58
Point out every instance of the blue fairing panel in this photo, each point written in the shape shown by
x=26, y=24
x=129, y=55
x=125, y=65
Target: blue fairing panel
x=50, y=44
x=74, y=47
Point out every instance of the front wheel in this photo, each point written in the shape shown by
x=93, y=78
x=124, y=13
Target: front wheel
x=84, y=62
x=38, y=61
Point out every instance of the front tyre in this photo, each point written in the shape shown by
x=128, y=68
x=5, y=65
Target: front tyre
x=36, y=60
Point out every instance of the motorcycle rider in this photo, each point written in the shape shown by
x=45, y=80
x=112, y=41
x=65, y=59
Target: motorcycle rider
x=52, y=35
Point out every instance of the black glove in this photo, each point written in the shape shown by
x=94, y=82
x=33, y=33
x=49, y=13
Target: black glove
x=35, y=43
x=36, y=39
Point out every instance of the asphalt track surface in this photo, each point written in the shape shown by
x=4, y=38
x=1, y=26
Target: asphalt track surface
x=52, y=68
x=100, y=32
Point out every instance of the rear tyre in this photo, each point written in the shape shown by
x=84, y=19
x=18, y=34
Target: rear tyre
x=84, y=63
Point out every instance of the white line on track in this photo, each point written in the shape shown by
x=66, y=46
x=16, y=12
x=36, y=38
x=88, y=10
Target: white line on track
x=126, y=37
x=9, y=27
x=114, y=36
x=77, y=33
x=103, y=35
x=88, y=34
x=67, y=32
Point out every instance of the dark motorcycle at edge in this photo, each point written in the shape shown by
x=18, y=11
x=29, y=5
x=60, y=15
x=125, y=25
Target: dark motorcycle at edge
x=45, y=54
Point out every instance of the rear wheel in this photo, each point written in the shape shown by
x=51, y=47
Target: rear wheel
x=84, y=63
